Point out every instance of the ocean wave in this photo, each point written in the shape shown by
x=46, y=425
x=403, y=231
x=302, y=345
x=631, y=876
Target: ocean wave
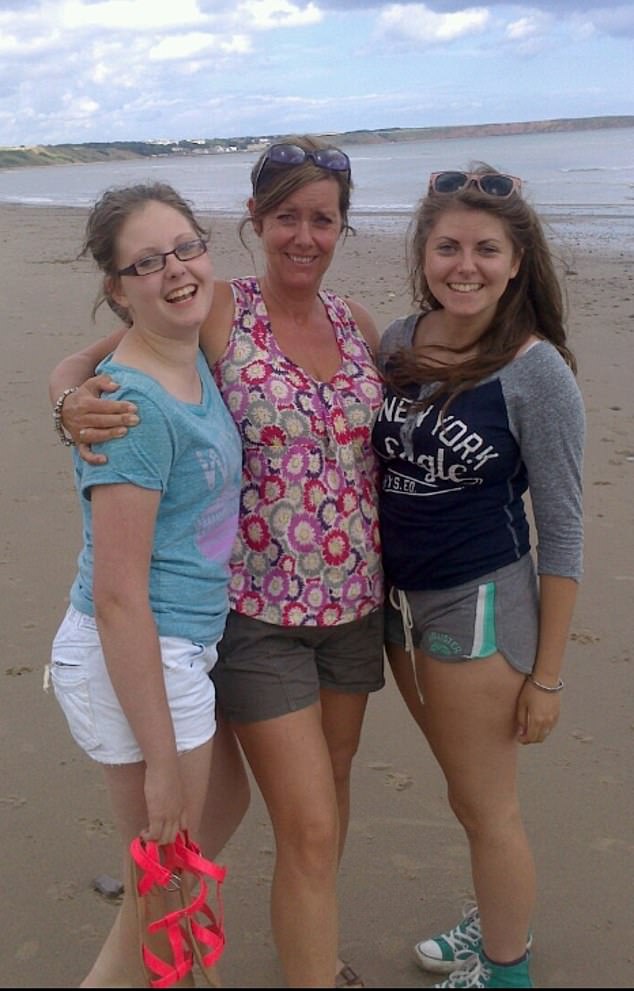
x=597, y=168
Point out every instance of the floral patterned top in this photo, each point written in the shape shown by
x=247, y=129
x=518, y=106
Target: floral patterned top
x=308, y=546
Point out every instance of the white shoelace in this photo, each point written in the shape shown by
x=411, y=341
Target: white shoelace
x=402, y=605
x=475, y=975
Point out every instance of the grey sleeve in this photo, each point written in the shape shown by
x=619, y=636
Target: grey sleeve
x=547, y=418
x=396, y=335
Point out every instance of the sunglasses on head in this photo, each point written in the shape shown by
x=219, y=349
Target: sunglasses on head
x=330, y=159
x=490, y=183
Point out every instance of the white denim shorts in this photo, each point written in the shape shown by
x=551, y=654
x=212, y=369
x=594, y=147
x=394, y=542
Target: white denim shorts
x=95, y=718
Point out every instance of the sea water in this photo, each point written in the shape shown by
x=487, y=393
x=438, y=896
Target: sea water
x=574, y=179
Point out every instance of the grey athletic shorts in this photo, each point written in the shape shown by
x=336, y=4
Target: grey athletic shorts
x=497, y=612
x=264, y=670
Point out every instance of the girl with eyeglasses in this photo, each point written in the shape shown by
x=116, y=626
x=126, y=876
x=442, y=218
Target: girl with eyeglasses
x=481, y=409
x=131, y=659
x=303, y=644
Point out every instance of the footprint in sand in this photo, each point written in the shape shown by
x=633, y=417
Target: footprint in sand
x=17, y=801
x=62, y=891
x=97, y=826
x=582, y=737
x=584, y=637
x=399, y=781
x=396, y=779
x=27, y=950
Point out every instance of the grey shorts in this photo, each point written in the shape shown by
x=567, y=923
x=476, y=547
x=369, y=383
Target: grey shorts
x=264, y=671
x=498, y=612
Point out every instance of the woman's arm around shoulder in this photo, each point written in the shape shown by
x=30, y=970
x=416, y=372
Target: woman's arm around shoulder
x=86, y=417
x=77, y=368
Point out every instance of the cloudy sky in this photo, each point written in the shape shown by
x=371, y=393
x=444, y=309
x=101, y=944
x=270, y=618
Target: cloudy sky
x=108, y=70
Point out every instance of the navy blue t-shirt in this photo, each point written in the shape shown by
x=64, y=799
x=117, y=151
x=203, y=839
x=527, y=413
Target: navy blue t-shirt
x=452, y=504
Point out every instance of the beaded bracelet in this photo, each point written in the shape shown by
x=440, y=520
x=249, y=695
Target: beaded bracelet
x=546, y=688
x=58, y=425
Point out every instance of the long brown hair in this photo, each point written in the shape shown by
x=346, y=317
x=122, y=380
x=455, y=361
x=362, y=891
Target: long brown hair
x=532, y=302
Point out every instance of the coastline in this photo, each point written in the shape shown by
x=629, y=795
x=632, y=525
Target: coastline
x=106, y=151
x=587, y=231
x=405, y=870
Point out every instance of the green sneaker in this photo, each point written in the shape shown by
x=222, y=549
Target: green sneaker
x=454, y=949
x=483, y=973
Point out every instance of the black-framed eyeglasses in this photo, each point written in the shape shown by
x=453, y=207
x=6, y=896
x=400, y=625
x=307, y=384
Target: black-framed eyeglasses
x=330, y=159
x=185, y=252
x=489, y=183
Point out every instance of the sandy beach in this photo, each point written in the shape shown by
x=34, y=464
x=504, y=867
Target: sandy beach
x=405, y=871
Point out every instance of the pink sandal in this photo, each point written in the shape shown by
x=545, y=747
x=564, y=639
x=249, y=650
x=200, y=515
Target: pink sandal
x=207, y=931
x=158, y=869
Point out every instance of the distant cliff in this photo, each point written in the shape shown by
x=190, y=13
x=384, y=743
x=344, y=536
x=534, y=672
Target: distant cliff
x=484, y=130
x=97, y=151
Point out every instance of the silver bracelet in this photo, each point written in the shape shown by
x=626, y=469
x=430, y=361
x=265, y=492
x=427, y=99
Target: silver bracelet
x=58, y=425
x=546, y=688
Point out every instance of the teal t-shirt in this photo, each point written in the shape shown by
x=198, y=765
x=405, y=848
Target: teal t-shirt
x=191, y=454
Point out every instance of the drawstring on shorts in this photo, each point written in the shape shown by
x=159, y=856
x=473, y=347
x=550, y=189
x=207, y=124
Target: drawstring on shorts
x=403, y=606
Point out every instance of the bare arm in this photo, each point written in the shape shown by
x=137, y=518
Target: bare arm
x=123, y=525
x=87, y=417
x=538, y=709
x=80, y=366
x=90, y=419
x=366, y=325
x=215, y=331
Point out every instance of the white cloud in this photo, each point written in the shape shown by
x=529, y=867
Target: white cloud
x=184, y=46
x=15, y=45
x=125, y=15
x=520, y=30
x=83, y=107
x=266, y=14
x=420, y=23
x=74, y=70
x=529, y=35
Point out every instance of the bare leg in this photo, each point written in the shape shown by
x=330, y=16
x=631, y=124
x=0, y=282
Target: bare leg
x=469, y=720
x=290, y=760
x=118, y=963
x=342, y=718
x=403, y=670
x=228, y=794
